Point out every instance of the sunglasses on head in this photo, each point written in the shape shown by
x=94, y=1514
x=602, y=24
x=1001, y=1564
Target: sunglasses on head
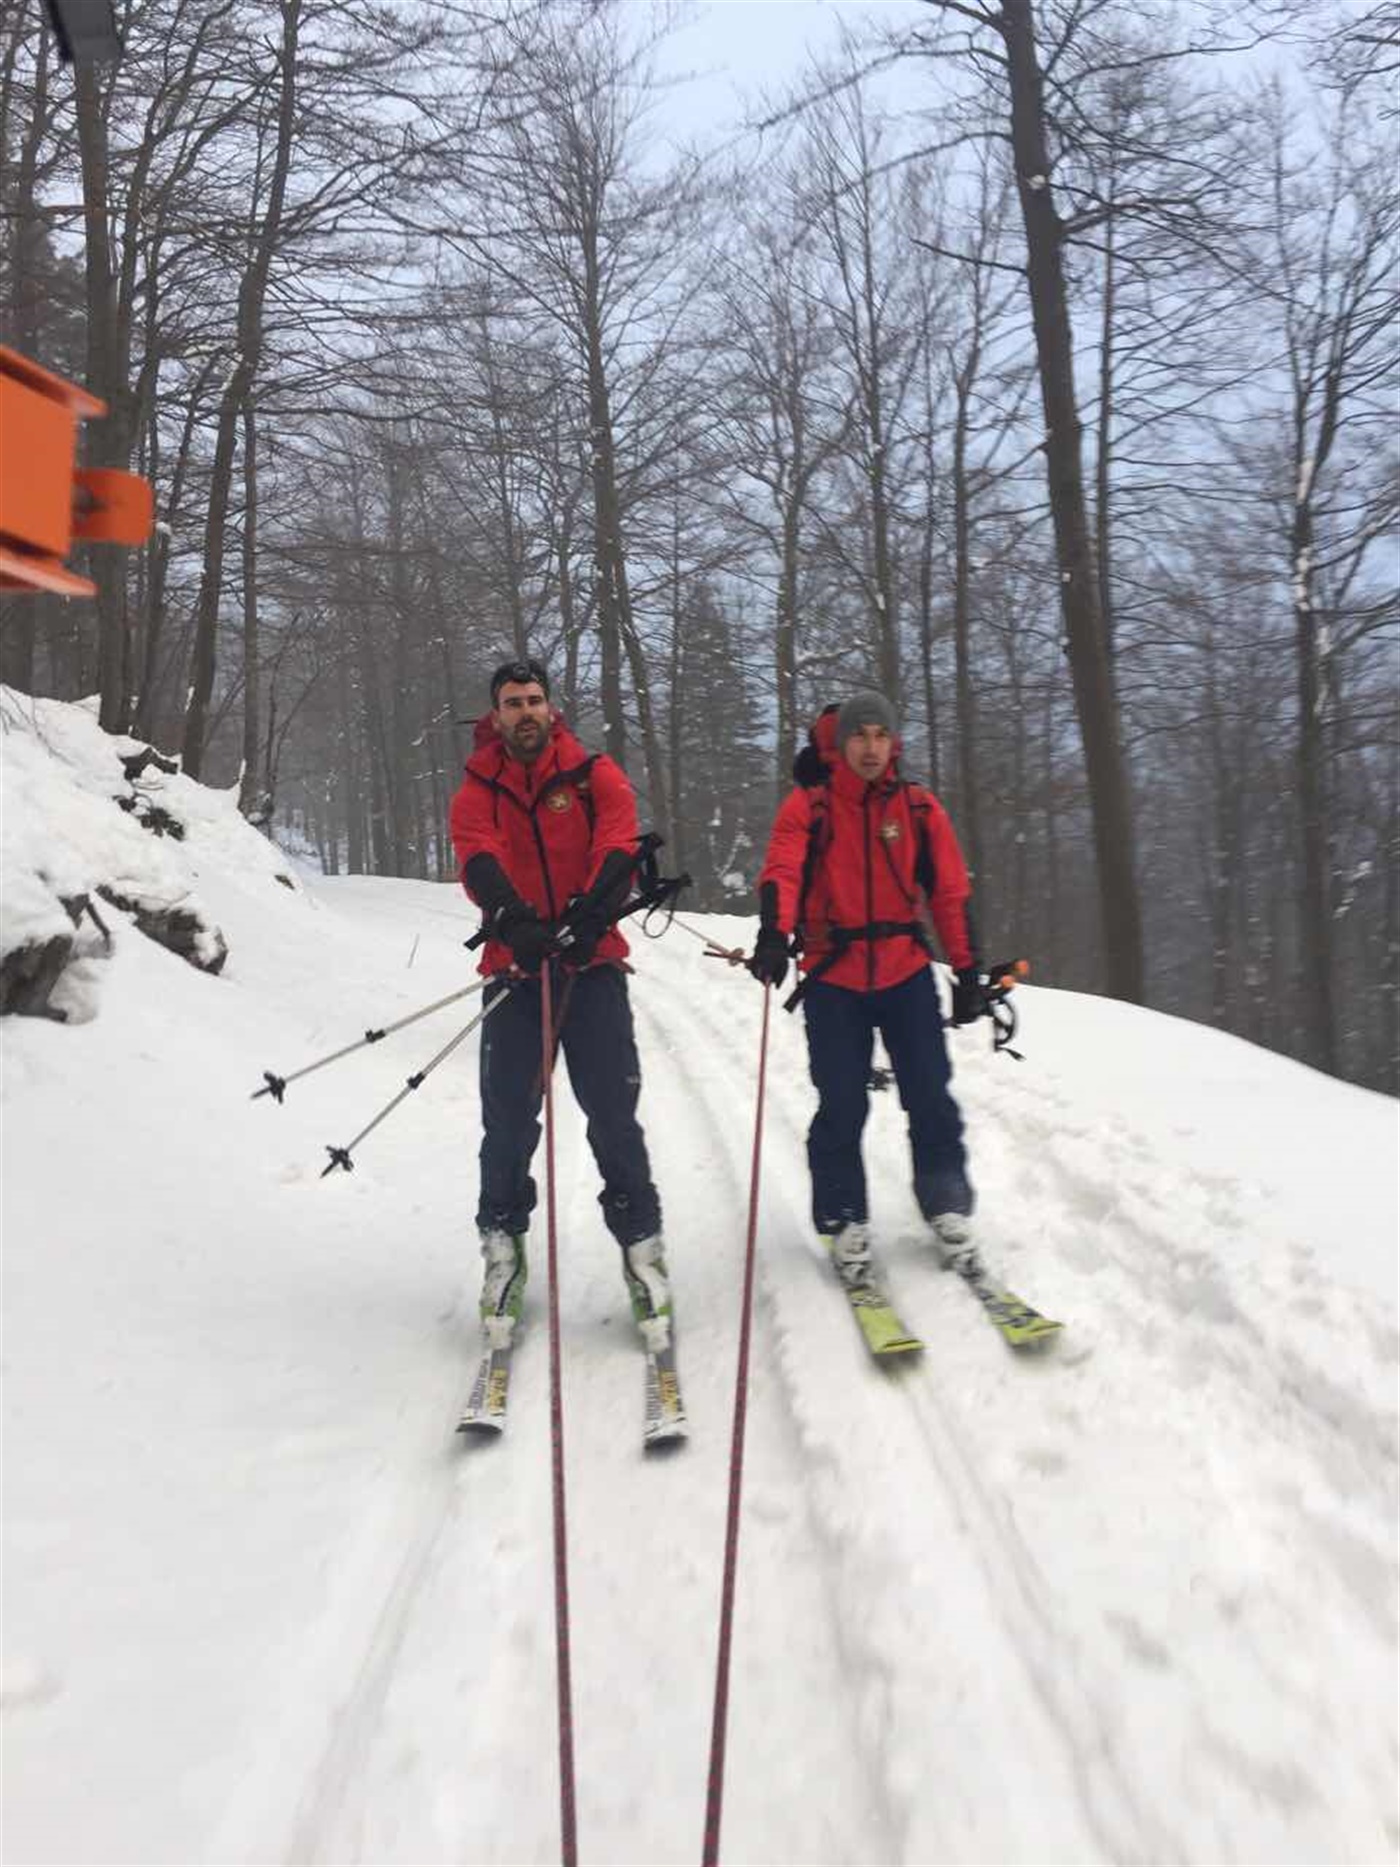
x=520, y=672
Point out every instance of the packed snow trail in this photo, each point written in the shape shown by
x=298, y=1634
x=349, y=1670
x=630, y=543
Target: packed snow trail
x=1132, y=1600
x=383, y=1688
x=1159, y=1248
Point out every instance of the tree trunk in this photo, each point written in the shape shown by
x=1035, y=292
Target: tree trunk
x=20, y=616
x=441, y=638
x=1103, y=465
x=969, y=812
x=251, y=297
x=1109, y=794
x=926, y=580
x=886, y=595
x=651, y=744
x=785, y=641
x=609, y=568
x=403, y=800
x=501, y=463
x=106, y=442
x=1050, y=926
x=1226, y=853
x=1020, y=790
x=886, y=603
x=568, y=619
x=150, y=684
x=253, y=800
x=1388, y=1075
x=676, y=710
x=1315, y=883
x=349, y=762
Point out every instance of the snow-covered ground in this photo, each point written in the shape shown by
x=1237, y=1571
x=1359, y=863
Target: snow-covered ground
x=1132, y=1600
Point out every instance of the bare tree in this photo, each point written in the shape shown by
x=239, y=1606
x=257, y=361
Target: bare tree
x=1004, y=41
x=590, y=247
x=855, y=209
x=265, y=233
x=782, y=415
x=1332, y=263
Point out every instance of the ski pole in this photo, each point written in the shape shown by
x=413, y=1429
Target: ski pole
x=652, y=892
x=276, y=1086
x=563, y=1670
x=734, y=955
x=715, y=1796
x=340, y=1156
x=649, y=893
x=555, y=1029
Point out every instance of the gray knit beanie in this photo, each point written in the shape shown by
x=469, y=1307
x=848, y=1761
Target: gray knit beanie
x=865, y=709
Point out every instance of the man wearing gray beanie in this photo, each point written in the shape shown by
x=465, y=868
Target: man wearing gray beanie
x=864, y=709
x=863, y=873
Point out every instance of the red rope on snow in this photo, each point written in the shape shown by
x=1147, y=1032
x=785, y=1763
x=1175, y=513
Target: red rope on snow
x=567, y=1821
x=715, y=1798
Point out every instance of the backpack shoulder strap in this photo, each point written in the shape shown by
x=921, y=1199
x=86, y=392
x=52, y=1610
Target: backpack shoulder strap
x=818, y=837
x=583, y=790
x=920, y=814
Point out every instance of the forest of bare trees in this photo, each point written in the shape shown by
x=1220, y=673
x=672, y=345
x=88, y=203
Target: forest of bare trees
x=1037, y=362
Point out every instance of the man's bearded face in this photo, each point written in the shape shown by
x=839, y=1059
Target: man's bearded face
x=522, y=719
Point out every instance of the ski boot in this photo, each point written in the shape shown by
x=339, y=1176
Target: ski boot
x=503, y=1284
x=850, y=1253
x=953, y=1242
x=648, y=1286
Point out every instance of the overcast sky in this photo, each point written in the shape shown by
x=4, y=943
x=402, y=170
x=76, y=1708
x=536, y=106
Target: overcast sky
x=732, y=55
x=738, y=51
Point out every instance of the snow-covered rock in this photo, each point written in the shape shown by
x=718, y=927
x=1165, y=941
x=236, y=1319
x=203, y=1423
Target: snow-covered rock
x=76, y=829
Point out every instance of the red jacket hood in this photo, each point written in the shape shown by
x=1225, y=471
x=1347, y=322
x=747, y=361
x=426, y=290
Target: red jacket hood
x=820, y=759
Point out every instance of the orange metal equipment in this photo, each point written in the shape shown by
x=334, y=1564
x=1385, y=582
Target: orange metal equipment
x=46, y=502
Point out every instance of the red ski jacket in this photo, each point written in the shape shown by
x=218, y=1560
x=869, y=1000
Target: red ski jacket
x=549, y=824
x=862, y=870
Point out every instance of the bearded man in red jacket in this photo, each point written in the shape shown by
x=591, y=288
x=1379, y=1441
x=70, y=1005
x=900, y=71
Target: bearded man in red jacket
x=863, y=868
x=546, y=841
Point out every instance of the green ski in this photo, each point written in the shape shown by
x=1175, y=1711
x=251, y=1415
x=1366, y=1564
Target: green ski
x=1018, y=1323
x=885, y=1335
x=880, y=1324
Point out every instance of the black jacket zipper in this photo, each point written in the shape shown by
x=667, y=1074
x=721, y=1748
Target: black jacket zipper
x=531, y=810
x=544, y=864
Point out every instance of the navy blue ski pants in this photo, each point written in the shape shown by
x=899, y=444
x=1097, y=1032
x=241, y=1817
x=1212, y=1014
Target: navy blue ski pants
x=841, y=1027
x=601, y=1054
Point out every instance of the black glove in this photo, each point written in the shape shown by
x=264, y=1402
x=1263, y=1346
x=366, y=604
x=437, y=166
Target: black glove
x=969, y=996
x=772, y=948
x=771, y=951
x=531, y=940
x=489, y=886
x=583, y=928
x=589, y=916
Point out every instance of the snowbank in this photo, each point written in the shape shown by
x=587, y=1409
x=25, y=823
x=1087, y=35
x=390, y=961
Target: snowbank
x=76, y=828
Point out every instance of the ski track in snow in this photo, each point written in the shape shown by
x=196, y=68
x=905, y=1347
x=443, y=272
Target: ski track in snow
x=879, y=1822
x=977, y=1525
x=391, y=1589
x=315, y=1752
x=1280, y=1808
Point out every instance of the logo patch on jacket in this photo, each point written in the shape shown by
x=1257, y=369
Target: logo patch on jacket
x=890, y=832
x=560, y=800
